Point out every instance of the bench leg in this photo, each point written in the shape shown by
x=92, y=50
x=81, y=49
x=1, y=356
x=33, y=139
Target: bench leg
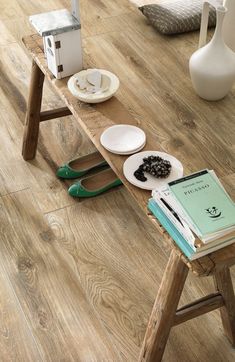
x=164, y=309
x=32, y=121
x=223, y=282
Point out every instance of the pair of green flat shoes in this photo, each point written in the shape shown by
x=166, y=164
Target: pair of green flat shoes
x=99, y=182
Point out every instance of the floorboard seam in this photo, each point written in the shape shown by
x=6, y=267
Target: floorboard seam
x=14, y=192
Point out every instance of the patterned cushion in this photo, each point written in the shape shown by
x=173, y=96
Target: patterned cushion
x=176, y=16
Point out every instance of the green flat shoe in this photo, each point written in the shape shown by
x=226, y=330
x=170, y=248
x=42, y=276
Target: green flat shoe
x=95, y=185
x=81, y=166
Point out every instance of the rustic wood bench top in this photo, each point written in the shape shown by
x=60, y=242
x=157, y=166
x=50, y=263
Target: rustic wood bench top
x=94, y=119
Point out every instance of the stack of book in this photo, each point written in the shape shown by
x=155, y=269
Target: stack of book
x=197, y=212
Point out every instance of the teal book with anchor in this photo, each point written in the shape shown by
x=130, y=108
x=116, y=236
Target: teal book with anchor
x=205, y=202
x=171, y=229
x=190, y=252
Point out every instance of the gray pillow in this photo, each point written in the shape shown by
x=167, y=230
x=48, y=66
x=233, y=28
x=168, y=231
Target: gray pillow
x=177, y=16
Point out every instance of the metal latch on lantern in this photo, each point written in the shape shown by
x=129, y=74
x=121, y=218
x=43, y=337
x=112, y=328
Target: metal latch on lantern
x=60, y=68
x=57, y=44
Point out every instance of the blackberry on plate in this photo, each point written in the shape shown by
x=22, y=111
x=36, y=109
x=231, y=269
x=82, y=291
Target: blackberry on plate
x=155, y=166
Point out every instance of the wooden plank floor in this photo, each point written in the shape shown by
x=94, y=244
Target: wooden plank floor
x=77, y=279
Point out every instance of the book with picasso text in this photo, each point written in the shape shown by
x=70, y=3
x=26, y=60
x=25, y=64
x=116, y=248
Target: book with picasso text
x=204, y=200
x=190, y=251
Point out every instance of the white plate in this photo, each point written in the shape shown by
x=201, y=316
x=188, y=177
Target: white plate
x=99, y=97
x=134, y=161
x=123, y=138
x=127, y=153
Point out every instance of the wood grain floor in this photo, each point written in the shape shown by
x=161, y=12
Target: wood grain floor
x=78, y=279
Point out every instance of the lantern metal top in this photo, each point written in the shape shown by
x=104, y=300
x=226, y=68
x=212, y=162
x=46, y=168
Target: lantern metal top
x=55, y=22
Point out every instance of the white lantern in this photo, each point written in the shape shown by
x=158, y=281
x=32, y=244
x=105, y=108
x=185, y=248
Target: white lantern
x=61, y=32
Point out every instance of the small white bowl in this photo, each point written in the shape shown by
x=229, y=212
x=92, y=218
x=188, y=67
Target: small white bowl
x=98, y=97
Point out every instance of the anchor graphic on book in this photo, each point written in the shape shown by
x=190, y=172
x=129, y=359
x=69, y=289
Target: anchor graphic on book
x=214, y=212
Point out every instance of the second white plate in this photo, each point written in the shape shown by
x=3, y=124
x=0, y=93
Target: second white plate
x=134, y=161
x=128, y=153
x=123, y=139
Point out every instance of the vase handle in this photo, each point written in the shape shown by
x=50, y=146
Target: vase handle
x=205, y=19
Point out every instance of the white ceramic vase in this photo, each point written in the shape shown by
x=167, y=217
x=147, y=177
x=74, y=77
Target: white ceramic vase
x=212, y=67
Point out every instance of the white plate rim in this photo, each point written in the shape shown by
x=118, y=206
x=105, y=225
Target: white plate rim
x=127, y=153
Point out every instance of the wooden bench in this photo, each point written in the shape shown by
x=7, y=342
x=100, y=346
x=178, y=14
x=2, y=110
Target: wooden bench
x=94, y=119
